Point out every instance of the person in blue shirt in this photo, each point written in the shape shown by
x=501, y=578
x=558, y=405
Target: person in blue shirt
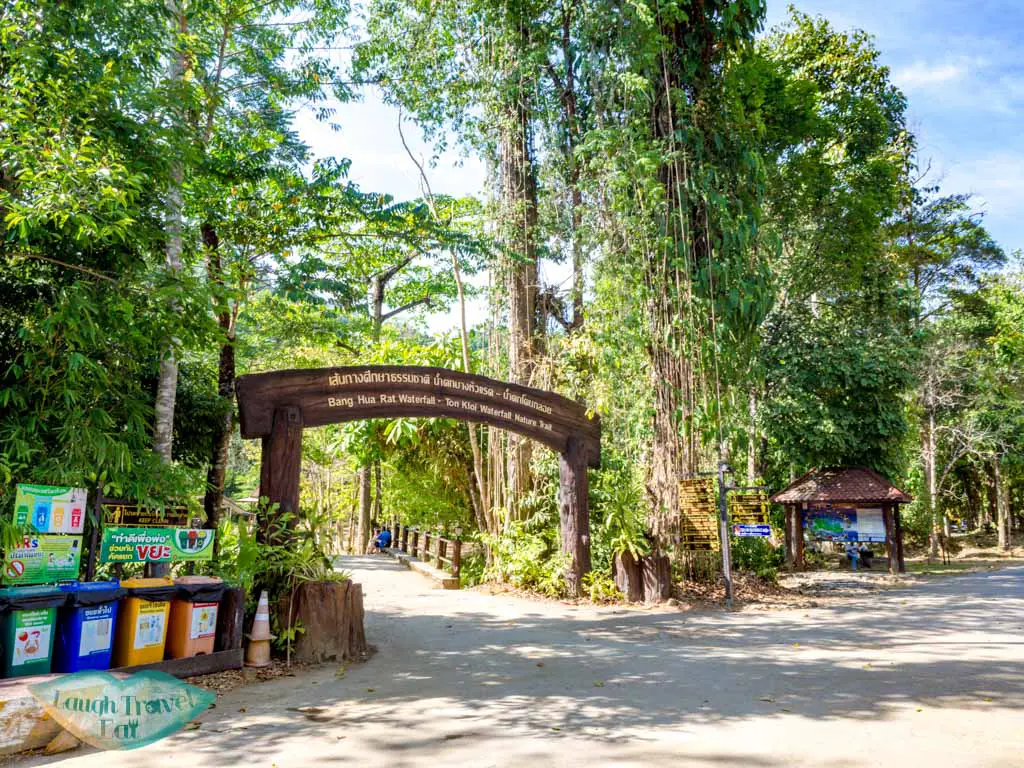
x=382, y=541
x=852, y=554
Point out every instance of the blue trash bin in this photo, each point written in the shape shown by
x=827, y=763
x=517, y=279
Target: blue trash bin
x=85, y=628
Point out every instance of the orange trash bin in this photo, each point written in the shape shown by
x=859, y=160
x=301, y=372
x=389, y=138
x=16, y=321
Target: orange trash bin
x=142, y=622
x=193, y=626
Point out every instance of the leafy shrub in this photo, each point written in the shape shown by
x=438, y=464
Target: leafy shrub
x=527, y=556
x=600, y=587
x=757, y=556
x=471, y=570
x=618, y=512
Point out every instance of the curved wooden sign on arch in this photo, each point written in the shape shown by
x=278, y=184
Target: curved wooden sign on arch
x=276, y=406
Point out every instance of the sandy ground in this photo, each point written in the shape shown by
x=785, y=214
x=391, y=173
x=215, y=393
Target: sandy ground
x=930, y=675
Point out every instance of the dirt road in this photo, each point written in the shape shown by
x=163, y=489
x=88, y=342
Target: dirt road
x=931, y=676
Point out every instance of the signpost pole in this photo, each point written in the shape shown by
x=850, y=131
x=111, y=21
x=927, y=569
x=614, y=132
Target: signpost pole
x=94, y=521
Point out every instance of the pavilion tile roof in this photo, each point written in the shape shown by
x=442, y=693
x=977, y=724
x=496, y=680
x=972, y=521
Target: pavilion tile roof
x=841, y=484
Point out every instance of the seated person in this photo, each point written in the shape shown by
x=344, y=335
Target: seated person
x=381, y=542
x=865, y=555
x=852, y=554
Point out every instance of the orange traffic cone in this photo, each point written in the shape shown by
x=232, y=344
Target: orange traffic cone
x=258, y=652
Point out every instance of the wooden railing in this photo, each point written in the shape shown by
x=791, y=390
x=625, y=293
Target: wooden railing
x=444, y=553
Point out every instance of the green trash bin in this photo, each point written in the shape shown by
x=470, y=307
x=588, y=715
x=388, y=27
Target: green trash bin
x=28, y=618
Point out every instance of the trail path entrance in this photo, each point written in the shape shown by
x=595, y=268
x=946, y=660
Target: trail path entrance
x=278, y=405
x=932, y=675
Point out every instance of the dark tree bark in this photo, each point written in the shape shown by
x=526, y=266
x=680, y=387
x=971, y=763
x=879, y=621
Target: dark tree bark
x=331, y=614
x=629, y=577
x=657, y=577
x=575, y=514
x=890, y=539
x=213, y=500
x=364, y=511
x=231, y=619
x=280, y=471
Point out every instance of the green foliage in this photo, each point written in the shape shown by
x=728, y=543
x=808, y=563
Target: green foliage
x=472, y=569
x=756, y=268
x=840, y=147
x=600, y=587
x=618, y=514
x=527, y=556
x=277, y=564
x=755, y=555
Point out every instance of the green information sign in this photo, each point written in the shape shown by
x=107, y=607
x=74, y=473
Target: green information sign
x=155, y=545
x=43, y=559
x=109, y=713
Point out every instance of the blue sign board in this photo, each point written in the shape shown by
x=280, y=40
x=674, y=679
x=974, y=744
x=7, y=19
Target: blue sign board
x=763, y=531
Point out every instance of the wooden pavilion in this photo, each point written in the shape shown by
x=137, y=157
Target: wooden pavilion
x=843, y=504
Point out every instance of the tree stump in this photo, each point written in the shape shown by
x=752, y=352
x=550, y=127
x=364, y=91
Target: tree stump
x=629, y=577
x=331, y=616
x=657, y=577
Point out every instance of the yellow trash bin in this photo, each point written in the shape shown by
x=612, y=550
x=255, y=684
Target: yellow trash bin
x=142, y=622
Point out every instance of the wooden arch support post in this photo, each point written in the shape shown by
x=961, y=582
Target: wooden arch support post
x=574, y=511
x=277, y=406
x=280, y=470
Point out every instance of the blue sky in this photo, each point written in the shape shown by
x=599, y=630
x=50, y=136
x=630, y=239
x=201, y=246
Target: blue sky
x=960, y=64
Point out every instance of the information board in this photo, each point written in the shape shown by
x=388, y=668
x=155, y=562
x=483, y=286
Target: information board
x=156, y=545
x=133, y=513
x=833, y=522
x=50, y=508
x=43, y=559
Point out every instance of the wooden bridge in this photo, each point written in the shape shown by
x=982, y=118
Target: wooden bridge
x=430, y=554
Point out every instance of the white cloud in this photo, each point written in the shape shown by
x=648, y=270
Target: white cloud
x=923, y=74
x=996, y=181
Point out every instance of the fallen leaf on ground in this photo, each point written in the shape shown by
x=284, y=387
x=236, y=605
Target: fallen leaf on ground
x=599, y=684
x=371, y=690
x=193, y=725
x=243, y=709
x=540, y=663
x=766, y=698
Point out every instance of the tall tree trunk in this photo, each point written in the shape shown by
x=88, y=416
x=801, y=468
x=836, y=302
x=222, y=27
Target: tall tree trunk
x=378, y=502
x=669, y=296
x=752, y=436
x=167, y=381
x=929, y=468
x=482, y=497
x=1002, y=505
x=519, y=198
x=353, y=515
x=213, y=500
x=990, y=496
x=364, y=511
x=167, y=384
x=565, y=86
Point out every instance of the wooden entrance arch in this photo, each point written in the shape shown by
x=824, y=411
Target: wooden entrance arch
x=277, y=406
